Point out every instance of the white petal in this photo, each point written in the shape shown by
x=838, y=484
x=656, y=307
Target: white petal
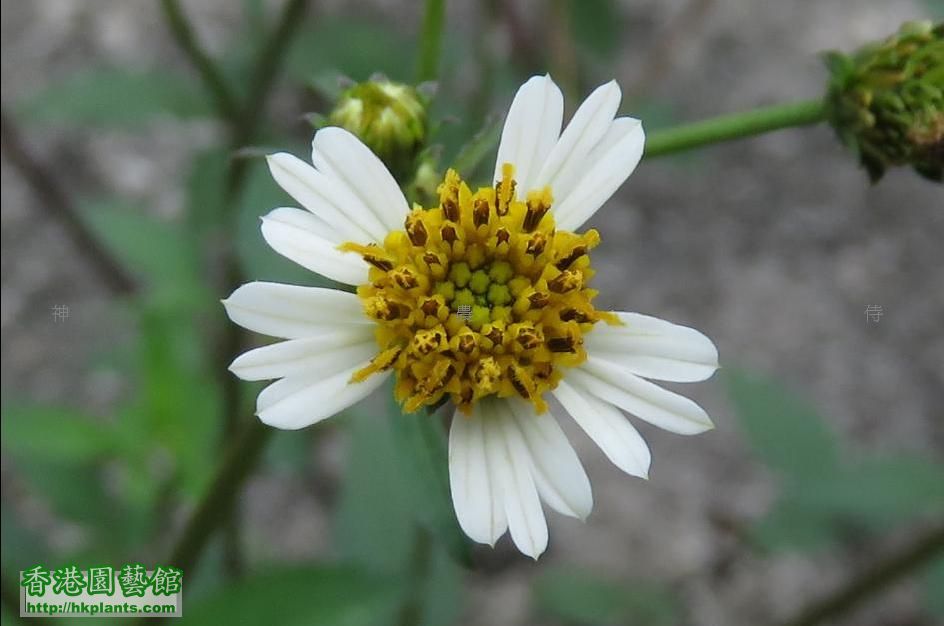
x=608, y=428
x=337, y=152
x=566, y=163
x=558, y=474
x=327, y=197
x=300, y=237
x=508, y=454
x=647, y=401
x=654, y=348
x=531, y=128
x=475, y=496
x=300, y=401
x=608, y=166
x=291, y=312
x=317, y=356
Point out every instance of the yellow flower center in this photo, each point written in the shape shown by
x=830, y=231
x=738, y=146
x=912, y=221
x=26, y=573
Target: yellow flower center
x=479, y=296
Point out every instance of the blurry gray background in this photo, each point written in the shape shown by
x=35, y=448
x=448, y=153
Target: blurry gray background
x=772, y=246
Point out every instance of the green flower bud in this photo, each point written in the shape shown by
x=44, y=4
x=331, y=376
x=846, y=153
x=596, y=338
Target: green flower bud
x=389, y=117
x=886, y=101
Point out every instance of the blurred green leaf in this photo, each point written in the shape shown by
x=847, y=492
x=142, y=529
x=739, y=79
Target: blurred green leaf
x=793, y=524
x=935, y=9
x=21, y=544
x=116, y=97
x=181, y=399
x=379, y=509
x=421, y=448
x=474, y=153
x=879, y=491
x=355, y=47
x=596, y=26
x=300, y=596
x=375, y=517
x=205, y=207
x=934, y=588
x=55, y=433
x=786, y=432
x=582, y=597
x=159, y=251
x=821, y=498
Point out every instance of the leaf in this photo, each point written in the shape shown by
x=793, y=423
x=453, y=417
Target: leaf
x=872, y=494
x=880, y=491
x=935, y=9
x=205, y=209
x=785, y=432
x=595, y=25
x=355, y=47
x=934, y=588
x=159, y=251
x=793, y=524
x=482, y=145
x=581, y=597
x=116, y=97
x=181, y=400
x=55, y=433
x=375, y=518
x=300, y=596
x=421, y=448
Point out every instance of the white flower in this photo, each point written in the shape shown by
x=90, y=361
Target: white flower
x=529, y=330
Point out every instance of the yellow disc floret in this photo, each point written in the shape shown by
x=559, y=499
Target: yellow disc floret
x=479, y=296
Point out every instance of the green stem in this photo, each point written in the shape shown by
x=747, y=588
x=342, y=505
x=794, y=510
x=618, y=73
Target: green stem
x=411, y=611
x=215, y=508
x=217, y=503
x=434, y=16
x=209, y=72
x=735, y=126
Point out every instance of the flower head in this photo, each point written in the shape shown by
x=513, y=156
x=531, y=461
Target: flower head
x=886, y=101
x=484, y=299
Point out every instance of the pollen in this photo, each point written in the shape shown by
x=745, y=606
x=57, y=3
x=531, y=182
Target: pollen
x=479, y=296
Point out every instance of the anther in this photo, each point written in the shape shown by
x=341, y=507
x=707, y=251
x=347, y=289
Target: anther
x=404, y=277
x=480, y=211
x=448, y=233
x=572, y=314
x=536, y=244
x=416, y=230
x=565, y=262
x=537, y=208
x=529, y=337
x=539, y=299
x=568, y=280
x=566, y=343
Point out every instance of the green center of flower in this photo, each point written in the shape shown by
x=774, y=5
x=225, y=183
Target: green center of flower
x=479, y=296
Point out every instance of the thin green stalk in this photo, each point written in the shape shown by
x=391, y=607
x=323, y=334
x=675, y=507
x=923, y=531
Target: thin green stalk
x=735, y=126
x=434, y=17
x=209, y=72
x=412, y=609
x=214, y=509
x=218, y=501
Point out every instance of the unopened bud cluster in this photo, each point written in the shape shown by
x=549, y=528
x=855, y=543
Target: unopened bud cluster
x=389, y=117
x=886, y=101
